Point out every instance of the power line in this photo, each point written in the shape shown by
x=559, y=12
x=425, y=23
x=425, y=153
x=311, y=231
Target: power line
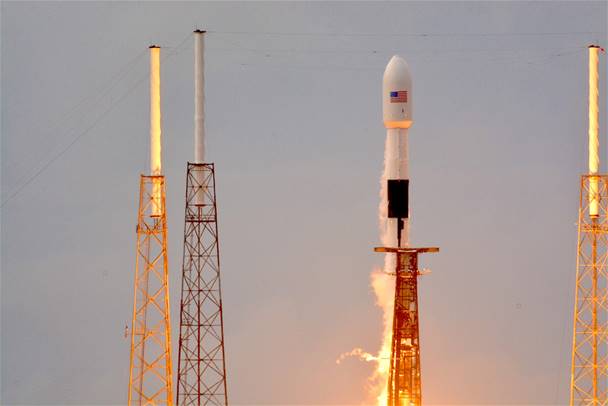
x=418, y=34
x=70, y=145
x=95, y=98
x=536, y=60
x=373, y=51
x=54, y=158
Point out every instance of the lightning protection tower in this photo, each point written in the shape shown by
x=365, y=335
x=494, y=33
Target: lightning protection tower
x=589, y=375
x=201, y=378
x=150, y=363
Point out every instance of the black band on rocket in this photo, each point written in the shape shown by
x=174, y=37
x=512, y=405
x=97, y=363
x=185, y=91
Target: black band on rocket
x=398, y=198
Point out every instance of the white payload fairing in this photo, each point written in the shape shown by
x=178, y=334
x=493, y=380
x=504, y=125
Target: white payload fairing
x=397, y=115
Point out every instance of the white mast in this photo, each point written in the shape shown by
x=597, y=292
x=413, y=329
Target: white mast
x=594, y=141
x=199, y=97
x=155, y=127
x=155, y=131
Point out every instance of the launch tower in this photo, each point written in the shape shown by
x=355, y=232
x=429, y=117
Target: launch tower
x=589, y=376
x=404, y=380
x=150, y=361
x=201, y=378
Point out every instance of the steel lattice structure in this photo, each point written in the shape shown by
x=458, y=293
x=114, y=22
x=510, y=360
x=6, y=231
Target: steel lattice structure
x=404, y=373
x=201, y=378
x=150, y=364
x=589, y=377
x=404, y=380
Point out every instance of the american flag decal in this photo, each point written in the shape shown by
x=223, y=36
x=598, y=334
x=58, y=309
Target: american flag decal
x=399, y=96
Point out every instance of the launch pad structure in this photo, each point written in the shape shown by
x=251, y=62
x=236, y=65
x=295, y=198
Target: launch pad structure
x=404, y=380
x=150, y=372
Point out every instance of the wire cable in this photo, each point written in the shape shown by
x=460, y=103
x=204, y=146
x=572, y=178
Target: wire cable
x=96, y=96
x=415, y=34
x=54, y=158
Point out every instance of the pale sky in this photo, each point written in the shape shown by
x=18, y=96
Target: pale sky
x=294, y=126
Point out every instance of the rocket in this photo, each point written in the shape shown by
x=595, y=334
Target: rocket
x=397, y=117
x=404, y=378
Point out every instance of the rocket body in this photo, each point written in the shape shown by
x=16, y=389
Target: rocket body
x=397, y=117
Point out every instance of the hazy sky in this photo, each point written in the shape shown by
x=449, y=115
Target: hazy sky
x=294, y=127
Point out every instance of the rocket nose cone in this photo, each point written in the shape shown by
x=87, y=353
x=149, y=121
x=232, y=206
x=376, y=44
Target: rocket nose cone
x=397, y=68
x=397, y=94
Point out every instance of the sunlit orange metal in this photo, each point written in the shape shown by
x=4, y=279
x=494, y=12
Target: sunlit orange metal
x=594, y=139
x=589, y=375
x=404, y=387
x=150, y=370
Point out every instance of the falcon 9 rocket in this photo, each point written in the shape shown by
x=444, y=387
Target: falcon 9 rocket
x=404, y=386
x=397, y=115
